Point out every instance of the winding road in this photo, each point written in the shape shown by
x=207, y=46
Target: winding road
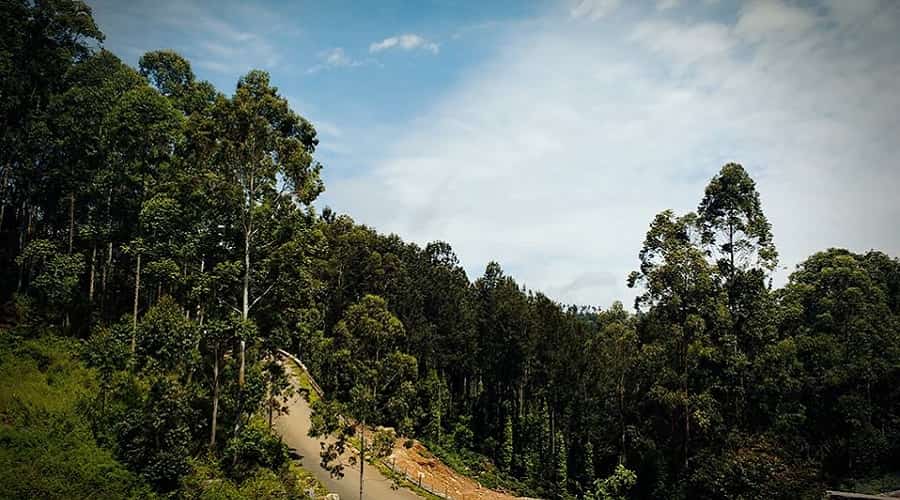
x=294, y=427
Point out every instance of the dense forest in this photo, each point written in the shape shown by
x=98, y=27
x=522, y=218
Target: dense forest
x=159, y=243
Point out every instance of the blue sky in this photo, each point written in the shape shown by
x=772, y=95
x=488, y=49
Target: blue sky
x=545, y=135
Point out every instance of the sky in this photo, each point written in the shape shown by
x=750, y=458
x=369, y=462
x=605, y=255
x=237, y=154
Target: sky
x=546, y=135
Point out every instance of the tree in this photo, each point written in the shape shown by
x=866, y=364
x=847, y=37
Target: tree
x=143, y=131
x=614, y=487
x=261, y=145
x=835, y=311
x=735, y=229
x=732, y=221
x=376, y=376
x=618, y=359
x=682, y=294
x=41, y=40
x=55, y=277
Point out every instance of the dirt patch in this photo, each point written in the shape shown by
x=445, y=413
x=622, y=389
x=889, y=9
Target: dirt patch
x=438, y=476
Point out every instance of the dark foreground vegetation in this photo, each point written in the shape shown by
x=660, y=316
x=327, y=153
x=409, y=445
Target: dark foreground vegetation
x=158, y=244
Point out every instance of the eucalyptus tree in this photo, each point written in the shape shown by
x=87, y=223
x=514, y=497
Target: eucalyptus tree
x=376, y=379
x=143, y=130
x=738, y=235
x=41, y=40
x=735, y=229
x=262, y=151
x=680, y=296
x=80, y=166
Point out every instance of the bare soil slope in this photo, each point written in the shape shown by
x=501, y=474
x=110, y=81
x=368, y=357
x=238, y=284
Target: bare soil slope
x=418, y=460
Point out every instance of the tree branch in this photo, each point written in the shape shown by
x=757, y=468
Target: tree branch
x=260, y=297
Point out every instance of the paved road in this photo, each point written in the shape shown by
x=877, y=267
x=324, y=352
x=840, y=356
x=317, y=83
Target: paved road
x=293, y=428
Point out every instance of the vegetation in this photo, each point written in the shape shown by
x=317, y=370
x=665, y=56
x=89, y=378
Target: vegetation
x=162, y=234
x=48, y=450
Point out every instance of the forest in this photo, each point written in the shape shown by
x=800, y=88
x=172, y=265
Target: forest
x=159, y=242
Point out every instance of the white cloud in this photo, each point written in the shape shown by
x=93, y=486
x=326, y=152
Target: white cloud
x=336, y=58
x=553, y=157
x=762, y=18
x=225, y=45
x=594, y=9
x=685, y=44
x=408, y=41
x=666, y=4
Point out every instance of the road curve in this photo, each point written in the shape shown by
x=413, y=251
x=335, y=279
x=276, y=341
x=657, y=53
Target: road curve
x=293, y=428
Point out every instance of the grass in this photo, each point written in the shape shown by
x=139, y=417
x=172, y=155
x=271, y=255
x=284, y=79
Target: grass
x=304, y=385
x=47, y=449
x=308, y=481
x=477, y=467
x=400, y=480
x=874, y=485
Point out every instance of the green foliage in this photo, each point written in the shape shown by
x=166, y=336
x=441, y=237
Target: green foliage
x=731, y=218
x=562, y=466
x=56, y=277
x=47, y=449
x=506, y=450
x=614, y=487
x=207, y=481
x=255, y=447
x=383, y=443
x=166, y=338
x=477, y=466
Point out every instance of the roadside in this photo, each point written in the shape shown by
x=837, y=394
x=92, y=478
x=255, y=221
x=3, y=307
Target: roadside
x=416, y=461
x=294, y=426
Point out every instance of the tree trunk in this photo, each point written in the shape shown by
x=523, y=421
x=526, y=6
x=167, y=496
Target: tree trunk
x=245, y=310
x=215, y=401
x=731, y=247
x=269, y=399
x=93, y=273
x=137, y=292
x=199, y=316
x=622, y=414
x=362, y=457
x=71, y=220
x=108, y=267
x=23, y=240
x=687, y=419
x=3, y=195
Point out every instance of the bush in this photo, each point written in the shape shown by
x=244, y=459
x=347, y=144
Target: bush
x=255, y=446
x=46, y=447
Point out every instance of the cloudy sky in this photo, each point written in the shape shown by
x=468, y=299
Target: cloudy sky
x=545, y=135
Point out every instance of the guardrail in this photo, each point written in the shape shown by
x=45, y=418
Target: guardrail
x=303, y=367
x=417, y=481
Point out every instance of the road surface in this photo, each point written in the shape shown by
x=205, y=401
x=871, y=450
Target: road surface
x=293, y=428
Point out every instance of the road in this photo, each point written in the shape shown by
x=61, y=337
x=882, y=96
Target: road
x=293, y=428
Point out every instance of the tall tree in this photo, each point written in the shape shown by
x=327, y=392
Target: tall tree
x=40, y=42
x=681, y=295
x=735, y=229
x=377, y=375
x=263, y=149
x=143, y=132
x=732, y=221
